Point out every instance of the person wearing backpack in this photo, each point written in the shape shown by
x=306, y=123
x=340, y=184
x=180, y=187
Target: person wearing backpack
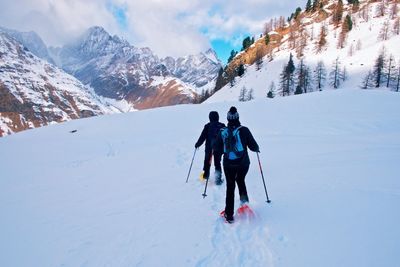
x=233, y=142
x=209, y=134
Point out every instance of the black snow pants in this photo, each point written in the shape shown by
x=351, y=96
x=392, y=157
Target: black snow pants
x=235, y=174
x=208, y=159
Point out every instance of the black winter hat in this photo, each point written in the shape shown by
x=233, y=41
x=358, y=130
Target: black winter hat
x=232, y=114
x=213, y=116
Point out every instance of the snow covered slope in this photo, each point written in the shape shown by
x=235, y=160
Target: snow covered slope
x=358, y=55
x=114, y=194
x=35, y=93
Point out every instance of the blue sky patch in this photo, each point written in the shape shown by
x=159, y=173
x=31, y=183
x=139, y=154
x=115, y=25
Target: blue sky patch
x=119, y=13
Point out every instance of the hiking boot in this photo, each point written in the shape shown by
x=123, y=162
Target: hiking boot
x=218, y=179
x=228, y=219
x=244, y=200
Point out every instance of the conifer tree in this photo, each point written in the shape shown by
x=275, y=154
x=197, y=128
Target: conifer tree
x=247, y=42
x=308, y=6
x=321, y=43
x=396, y=27
x=243, y=94
x=394, y=10
x=297, y=13
x=303, y=36
x=379, y=69
x=350, y=52
x=232, y=56
x=320, y=75
x=365, y=12
x=367, y=82
x=348, y=23
x=355, y=3
x=240, y=70
x=388, y=70
x=267, y=39
x=335, y=74
x=381, y=8
x=271, y=92
x=221, y=81
x=287, y=79
x=259, y=58
x=250, y=95
x=292, y=36
x=315, y=5
x=384, y=32
x=301, y=77
x=338, y=13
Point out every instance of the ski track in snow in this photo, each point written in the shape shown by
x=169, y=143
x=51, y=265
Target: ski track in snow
x=243, y=243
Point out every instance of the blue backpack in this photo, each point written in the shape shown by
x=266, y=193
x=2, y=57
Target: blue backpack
x=233, y=148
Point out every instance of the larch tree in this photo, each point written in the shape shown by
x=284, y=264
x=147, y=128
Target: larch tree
x=394, y=10
x=384, y=31
x=320, y=75
x=338, y=13
x=335, y=74
x=243, y=94
x=321, y=43
x=388, y=70
x=287, y=78
x=396, y=27
x=378, y=70
x=381, y=8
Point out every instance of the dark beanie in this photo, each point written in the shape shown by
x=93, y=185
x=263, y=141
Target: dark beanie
x=232, y=114
x=213, y=116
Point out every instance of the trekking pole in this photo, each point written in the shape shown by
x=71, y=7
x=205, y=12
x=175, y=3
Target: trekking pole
x=262, y=175
x=191, y=165
x=205, y=189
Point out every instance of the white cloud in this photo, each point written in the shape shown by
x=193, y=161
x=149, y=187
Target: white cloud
x=169, y=27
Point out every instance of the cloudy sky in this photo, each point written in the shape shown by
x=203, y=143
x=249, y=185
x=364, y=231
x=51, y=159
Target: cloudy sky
x=168, y=27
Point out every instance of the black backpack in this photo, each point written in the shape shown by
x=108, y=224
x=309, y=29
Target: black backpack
x=213, y=131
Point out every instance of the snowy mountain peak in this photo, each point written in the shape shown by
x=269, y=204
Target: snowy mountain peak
x=96, y=40
x=32, y=41
x=118, y=70
x=212, y=56
x=35, y=93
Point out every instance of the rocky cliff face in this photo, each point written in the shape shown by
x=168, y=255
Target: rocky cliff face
x=31, y=41
x=35, y=93
x=118, y=70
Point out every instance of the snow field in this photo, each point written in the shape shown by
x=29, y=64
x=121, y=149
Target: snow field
x=114, y=193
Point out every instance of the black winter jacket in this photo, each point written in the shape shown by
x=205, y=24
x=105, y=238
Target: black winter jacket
x=247, y=141
x=209, y=134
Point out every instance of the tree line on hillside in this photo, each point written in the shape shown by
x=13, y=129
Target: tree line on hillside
x=300, y=36
x=302, y=78
x=385, y=73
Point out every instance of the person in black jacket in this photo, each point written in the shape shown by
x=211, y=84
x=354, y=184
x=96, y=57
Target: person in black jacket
x=209, y=134
x=233, y=142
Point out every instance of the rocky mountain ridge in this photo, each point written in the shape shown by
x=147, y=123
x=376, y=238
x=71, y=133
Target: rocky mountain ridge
x=118, y=70
x=35, y=93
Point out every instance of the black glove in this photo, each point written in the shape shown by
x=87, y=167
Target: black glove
x=196, y=146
